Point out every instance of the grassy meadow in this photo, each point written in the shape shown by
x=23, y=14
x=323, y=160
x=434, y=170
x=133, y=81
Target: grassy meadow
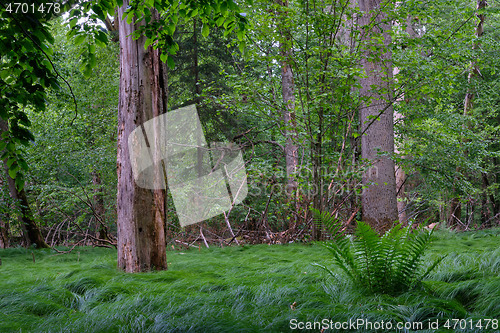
x=261, y=288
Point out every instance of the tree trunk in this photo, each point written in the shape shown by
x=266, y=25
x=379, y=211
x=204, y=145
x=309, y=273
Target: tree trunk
x=4, y=234
x=143, y=96
x=30, y=229
x=4, y=223
x=455, y=212
x=31, y=232
x=99, y=209
x=379, y=204
x=454, y=218
x=288, y=95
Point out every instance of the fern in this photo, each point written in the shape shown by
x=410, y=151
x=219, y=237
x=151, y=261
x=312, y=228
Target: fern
x=388, y=264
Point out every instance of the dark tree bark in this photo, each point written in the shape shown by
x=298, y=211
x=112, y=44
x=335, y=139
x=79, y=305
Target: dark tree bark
x=4, y=233
x=379, y=204
x=4, y=225
x=31, y=231
x=99, y=209
x=143, y=96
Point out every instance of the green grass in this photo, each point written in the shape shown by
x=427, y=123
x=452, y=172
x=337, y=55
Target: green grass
x=236, y=289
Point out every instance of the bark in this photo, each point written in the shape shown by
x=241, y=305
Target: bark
x=486, y=215
x=399, y=172
x=196, y=70
x=31, y=232
x=288, y=95
x=379, y=204
x=143, y=96
x=455, y=212
x=99, y=209
x=4, y=233
x=4, y=225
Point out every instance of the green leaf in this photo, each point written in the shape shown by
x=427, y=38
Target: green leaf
x=88, y=71
x=193, y=13
x=79, y=39
x=223, y=8
x=220, y=20
x=23, y=164
x=13, y=172
x=205, y=30
x=10, y=161
x=20, y=181
x=73, y=22
x=170, y=62
x=163, y=57
x=240, y=34
x=242, y=47
x=130, y=17
x=102, y=37
x=92, y=60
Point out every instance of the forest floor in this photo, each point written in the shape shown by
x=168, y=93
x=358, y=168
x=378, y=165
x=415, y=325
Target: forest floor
x=261, y=288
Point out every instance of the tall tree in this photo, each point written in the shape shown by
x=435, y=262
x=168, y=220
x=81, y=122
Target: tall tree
x=455, y=211
x=143, y=96
x=141, y=213
x=379, y=204
x=288, y=95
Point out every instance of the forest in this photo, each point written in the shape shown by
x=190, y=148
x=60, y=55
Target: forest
x=250, y=166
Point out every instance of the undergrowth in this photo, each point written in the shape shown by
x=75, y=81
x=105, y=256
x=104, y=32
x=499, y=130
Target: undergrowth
x=388, y=264
x=237, y=289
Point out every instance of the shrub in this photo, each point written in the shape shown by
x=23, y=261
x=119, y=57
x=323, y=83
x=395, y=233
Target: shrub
x=388, y=264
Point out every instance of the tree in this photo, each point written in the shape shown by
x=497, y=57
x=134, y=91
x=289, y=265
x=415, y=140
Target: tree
x=288, y=96
x=143, y=96
x=32, y=234
x=379, y=203
x=455, y=211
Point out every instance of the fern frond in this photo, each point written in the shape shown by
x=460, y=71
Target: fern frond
x=330, y=223
x=388, y=264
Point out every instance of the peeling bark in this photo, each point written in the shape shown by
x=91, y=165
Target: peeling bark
x=143, y=96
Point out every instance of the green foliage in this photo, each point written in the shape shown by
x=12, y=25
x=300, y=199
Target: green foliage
x=25, y=74
x=388, y=264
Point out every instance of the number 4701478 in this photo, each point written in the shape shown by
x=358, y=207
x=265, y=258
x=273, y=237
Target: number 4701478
x=482, y=324
x=25, y=8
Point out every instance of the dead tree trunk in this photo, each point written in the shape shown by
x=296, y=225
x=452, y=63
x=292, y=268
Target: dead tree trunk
x=143, y=96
